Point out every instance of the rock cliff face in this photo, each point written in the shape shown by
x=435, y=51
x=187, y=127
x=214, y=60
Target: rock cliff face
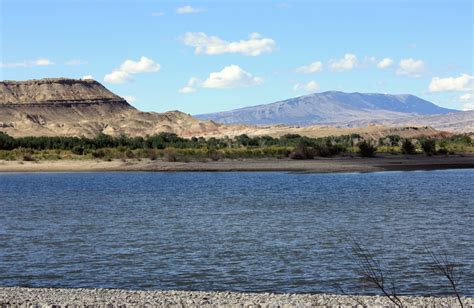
x=71, y=107
x=56, y=91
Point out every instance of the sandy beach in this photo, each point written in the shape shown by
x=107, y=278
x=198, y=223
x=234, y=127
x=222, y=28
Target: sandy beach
x=42, y=297
x=320, y=165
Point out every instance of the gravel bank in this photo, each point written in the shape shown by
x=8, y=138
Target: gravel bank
x=38, y=297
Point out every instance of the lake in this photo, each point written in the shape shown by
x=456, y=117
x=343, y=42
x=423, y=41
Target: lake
x=261, y=232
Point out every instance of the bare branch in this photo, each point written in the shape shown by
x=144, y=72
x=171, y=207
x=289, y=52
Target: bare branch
x=373, y=272
x=443, y=266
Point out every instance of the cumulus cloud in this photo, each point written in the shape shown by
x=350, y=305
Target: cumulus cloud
x=212, y=45
x=130, y=98
x=129, y=67
x=157, y=14
x=187, y=9
x=75, y=62
x=118, y=77
x=190, y=87
x=87, y=77
x=384, y=63
x=31, y=63
x=464, y=82
x=347, y=63
x=308, y=87
x=144, y=65
x=313, y=67
x=231, y=76
x=410, y=67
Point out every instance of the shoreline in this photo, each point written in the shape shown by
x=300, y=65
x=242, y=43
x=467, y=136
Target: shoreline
x=20, y=296
x=319, y=165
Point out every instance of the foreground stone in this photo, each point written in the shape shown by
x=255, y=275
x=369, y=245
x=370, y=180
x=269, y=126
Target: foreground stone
x=41, y=297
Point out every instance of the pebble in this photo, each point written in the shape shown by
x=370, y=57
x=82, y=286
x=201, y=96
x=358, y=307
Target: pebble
x=43, y=297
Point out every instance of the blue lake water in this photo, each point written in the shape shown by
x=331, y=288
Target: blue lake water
x=277, y=232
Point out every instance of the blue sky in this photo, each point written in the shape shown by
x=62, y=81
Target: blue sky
x=206, y=56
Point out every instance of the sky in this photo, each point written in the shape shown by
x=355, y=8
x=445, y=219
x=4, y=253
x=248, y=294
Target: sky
x=209, y=56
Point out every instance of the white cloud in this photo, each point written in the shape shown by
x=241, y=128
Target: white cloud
x=213, y=45
x=384, y=63
x=144, y=65
x=43, y=62
x=187, y=9
x=468, y=100
x=347, y=63
x=38, y=62
x=313, y=67
x=464, y=82
x=231, y=76
x=308, y=87
x=129, y=67
x=87, y=77
x=118, y=77
x=468, y=106
x=130, y=98
x=466, y=97
x=190, y=86
x=157, y=14
x=410, y=67
x=75, y=62
x=187, y=89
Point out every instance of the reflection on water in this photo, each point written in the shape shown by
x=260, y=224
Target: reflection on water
x=257, y=231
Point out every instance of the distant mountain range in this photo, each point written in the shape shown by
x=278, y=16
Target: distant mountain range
x=331, y=108
x=72, y=107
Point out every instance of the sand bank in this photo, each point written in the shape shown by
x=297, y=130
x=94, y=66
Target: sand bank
x=320, y=165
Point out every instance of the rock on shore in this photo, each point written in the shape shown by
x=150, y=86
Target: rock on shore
x=39, y=297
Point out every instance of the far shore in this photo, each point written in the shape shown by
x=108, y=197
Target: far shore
x=319, y=165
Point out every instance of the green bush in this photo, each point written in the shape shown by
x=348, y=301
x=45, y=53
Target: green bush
x=366, y=149
x=302, y=151
x=78, y=150
x=428, y=146
x=408, y=147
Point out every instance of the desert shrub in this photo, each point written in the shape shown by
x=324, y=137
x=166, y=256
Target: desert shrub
x=408, y=147
x=214, y=155
x=328, y=149
x=98, y=153
x=428, y=146
x=78, y=150
x=129, y=154
x=302, y=151
x=28, y=157
x=366, y=149
x=443, y=151
x=152, y=154
x=170, y=156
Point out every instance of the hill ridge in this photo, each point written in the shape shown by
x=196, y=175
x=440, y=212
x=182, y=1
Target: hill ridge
x=329, y=107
